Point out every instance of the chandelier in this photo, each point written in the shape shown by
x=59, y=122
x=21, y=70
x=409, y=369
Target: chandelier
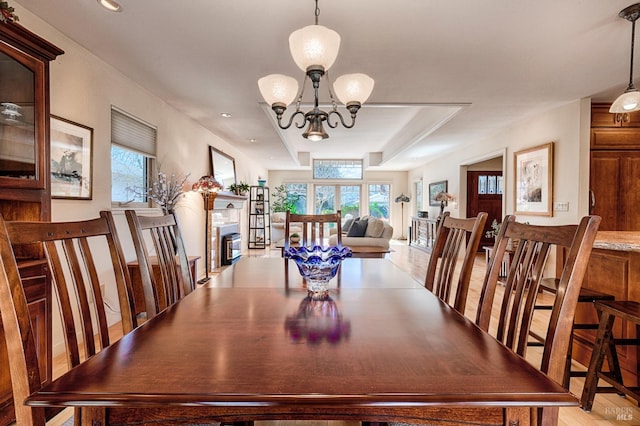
x=314, y=49
x=629, y=101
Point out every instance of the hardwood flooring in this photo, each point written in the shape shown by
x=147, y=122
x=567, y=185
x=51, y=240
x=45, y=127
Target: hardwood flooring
x=608, y=409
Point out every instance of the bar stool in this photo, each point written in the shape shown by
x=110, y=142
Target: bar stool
x=550, y=285
x=605, y=346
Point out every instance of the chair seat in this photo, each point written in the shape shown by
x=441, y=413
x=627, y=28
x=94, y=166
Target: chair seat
x=605, y=347
x=625, y=309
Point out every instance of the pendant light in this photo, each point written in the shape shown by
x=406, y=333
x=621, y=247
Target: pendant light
x=629, y=101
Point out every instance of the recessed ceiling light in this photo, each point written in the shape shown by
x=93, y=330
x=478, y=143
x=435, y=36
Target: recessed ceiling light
x=111, y=5
x=225, y=114
x=253, y=140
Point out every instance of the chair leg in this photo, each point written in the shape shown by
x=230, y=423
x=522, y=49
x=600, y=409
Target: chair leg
x=600, y=349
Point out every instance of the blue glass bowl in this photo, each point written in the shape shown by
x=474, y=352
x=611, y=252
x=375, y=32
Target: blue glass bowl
x=317, y=265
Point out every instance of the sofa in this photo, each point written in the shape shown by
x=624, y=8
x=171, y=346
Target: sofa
x=365, y=232
x=278, y=220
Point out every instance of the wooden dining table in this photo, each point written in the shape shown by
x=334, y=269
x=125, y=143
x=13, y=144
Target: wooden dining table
x=254, y=345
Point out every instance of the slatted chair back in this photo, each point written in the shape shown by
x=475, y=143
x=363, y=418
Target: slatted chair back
x=531, y=245
x=313, y=228
x=169, y=258
x=452, y=235
x=75, y=255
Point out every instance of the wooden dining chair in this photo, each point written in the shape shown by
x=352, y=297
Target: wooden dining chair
x=173, y=280
x=532, y=246
x=451, y=236
x=313, y=228
x=75, y=253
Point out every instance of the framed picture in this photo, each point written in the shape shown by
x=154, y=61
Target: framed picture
x=71, y=159
x=434, y=189
x=534, y=180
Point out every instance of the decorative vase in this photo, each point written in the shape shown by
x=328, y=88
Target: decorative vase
x=261, y=182
x=317, y=265
x=294, y=239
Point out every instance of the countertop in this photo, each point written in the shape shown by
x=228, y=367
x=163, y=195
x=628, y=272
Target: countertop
x=618, y=240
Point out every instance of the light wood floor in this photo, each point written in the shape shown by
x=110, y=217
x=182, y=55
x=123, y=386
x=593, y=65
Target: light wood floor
x=608, y=409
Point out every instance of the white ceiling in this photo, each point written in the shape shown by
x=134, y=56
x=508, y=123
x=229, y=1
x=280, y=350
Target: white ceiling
x=447, y=72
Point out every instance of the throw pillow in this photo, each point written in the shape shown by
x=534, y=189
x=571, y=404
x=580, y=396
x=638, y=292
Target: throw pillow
x=347, y=225
x=358, y=228
x=375, y=228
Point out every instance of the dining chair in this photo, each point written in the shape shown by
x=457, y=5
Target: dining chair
x=75, y=252
x=451, y=236
x=165, y=276
x=313, y=228
x=532, y=245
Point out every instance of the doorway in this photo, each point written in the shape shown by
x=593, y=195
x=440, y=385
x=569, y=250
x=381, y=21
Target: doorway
x=485, y=189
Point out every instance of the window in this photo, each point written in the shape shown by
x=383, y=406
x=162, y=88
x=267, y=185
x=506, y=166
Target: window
x=350, y=200
x=337, y=169
x=325, y=201
x=379, y=201
x=133, y=147
x=297, y=194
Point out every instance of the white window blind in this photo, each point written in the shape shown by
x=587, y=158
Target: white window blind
x=133, y=134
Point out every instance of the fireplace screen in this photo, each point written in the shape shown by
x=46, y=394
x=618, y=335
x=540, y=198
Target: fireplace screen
x=231, y=248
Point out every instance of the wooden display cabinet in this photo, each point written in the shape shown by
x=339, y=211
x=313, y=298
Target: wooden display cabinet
x=25, y=192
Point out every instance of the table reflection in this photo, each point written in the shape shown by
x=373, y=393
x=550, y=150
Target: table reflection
x=317, y=319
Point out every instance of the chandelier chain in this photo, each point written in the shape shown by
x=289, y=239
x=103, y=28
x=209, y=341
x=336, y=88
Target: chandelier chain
x=317, y=12
x=633, y=39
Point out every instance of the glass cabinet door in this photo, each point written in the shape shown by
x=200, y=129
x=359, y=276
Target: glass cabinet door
x=22, y=115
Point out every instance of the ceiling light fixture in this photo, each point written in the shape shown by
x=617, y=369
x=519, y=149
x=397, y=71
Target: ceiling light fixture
x=111, y=5
x=314, y=49
x=629, y=101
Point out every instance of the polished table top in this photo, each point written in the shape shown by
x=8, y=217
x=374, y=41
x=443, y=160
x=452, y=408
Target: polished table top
x=247, y=345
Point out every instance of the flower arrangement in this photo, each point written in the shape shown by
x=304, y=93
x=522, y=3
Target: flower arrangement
x=7, y=13
x=166, y=190
x=495, y=229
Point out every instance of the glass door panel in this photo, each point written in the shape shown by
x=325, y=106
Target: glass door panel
x=325, y=199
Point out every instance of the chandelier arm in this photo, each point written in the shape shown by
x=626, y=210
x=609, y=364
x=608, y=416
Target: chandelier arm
x=334, y=104
x=299, y=126
x=333, y=126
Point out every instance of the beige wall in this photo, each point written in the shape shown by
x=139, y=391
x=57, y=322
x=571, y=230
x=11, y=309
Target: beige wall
x=567, y=126
x=83, y=89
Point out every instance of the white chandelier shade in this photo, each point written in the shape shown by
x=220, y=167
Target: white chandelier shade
x=278, y=89
x=351, y=88
x=314, y=49
x=629, y=101
x=314, y=45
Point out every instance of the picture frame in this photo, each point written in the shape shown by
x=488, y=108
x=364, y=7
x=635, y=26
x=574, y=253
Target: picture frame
x=434, y=189
x=534, y=180
x=71, y=163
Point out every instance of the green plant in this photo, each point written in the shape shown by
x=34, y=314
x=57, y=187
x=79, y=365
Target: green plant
x=295, y=235
x=243, y=187
x=282, y=200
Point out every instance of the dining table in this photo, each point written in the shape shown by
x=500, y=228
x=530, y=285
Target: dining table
x=253, y=344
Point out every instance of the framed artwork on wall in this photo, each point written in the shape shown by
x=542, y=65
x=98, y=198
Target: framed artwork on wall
x=534, y=180
x=71, y=159
x=434, y=189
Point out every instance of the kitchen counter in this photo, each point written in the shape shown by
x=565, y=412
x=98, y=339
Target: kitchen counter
x=618, y=240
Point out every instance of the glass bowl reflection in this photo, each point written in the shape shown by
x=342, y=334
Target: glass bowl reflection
x=317, y=265
x=317, y=319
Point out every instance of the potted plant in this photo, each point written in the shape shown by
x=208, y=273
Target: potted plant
x=282, y=200
x=243, y=188
x=294, y=238
x=239, y=188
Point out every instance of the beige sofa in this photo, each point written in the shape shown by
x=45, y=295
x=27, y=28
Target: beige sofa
x=277, y=226
x=377, y=235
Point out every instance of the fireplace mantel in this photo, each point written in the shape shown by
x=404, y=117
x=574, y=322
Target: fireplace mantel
x=225, y=200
